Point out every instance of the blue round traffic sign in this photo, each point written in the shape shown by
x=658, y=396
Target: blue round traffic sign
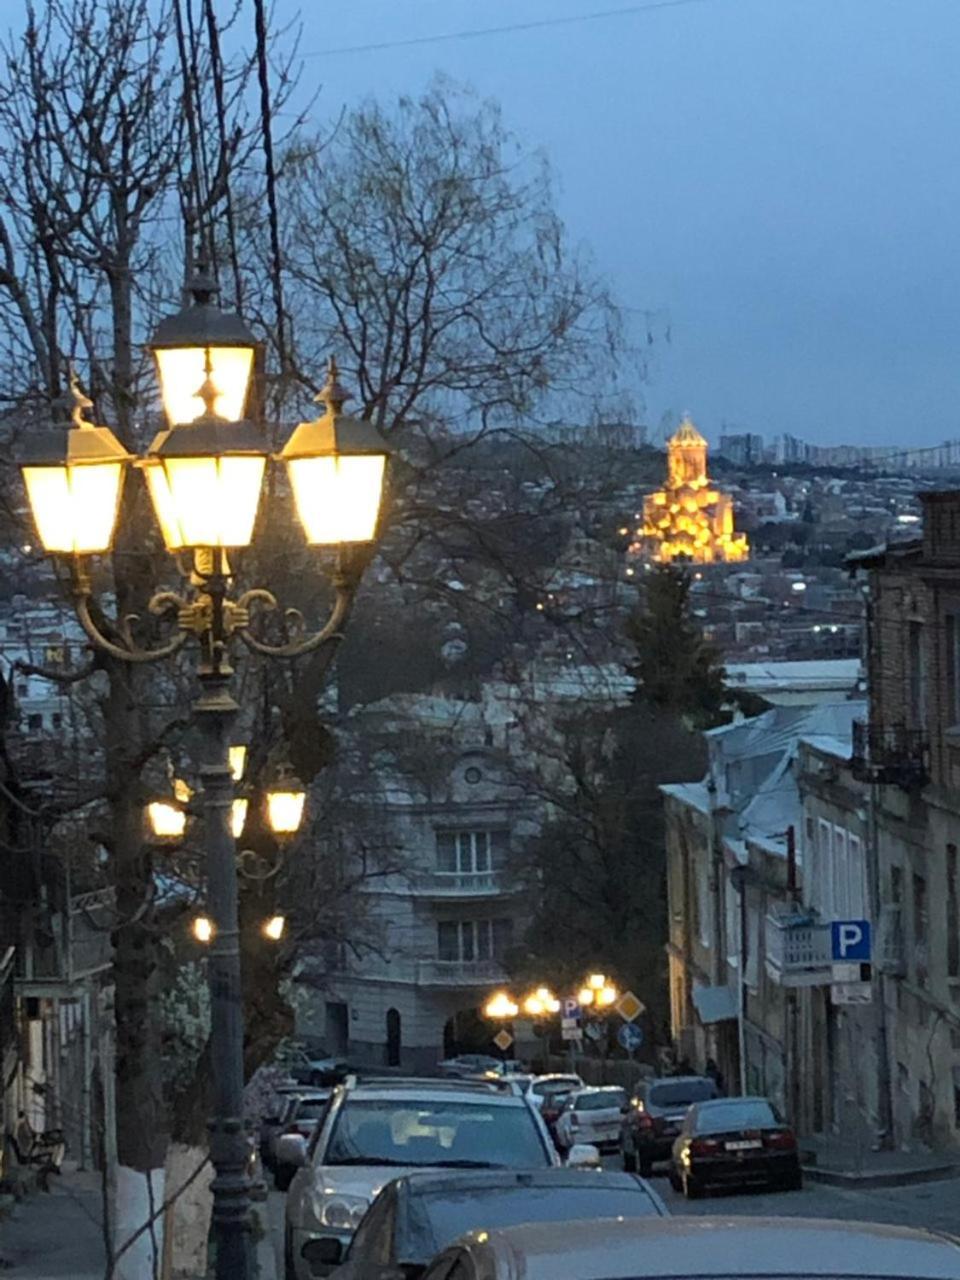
x=630, y=1036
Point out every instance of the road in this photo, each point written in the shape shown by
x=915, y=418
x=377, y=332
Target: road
x=929, y=1204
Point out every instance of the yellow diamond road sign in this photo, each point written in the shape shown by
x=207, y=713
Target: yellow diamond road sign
x=503, y=1040
x=629, y=1007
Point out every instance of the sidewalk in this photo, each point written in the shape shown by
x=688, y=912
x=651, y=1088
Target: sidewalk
x=56, y=1235
x=842, y=1164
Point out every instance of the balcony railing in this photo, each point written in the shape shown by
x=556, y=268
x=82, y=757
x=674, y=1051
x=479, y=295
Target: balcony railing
x=459, y=884
x=892, y=754
x=459, y=973
x=798, y=950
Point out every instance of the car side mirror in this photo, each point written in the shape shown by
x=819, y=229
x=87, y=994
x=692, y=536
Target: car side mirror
x=292, y=1149
x=583, y=1155
x=320, y=1255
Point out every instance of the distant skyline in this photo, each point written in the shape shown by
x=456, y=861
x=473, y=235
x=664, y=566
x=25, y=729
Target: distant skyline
x=777, y=181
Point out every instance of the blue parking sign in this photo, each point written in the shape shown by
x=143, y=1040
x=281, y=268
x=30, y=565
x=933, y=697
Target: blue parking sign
x=850, y=940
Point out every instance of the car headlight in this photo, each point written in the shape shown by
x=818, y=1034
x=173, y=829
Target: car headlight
x=339, y=1212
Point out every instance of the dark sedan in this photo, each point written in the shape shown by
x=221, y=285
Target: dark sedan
x=416, y=1216
x=733, y=1142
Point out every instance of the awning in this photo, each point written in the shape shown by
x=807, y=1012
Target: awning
x=714, y=1004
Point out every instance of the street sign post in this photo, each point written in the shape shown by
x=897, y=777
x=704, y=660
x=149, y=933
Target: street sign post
x=572, y=1033
x=630, y=1007
x=630, y=1037
x=570, y=1008
x=850, y=941
x=503, y=1040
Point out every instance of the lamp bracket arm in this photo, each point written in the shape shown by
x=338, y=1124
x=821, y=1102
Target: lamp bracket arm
x=330, y=632
x=129, y=651
x=58, y=675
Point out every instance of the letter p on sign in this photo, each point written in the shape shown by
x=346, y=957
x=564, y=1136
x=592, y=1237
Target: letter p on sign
x=850, y=940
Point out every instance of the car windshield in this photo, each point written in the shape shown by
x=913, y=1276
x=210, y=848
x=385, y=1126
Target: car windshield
x=447, y=1132
x=600, y=1101
x=736, y=1115
x=681, y=1093
x=437, y=1220
x=311, y=1108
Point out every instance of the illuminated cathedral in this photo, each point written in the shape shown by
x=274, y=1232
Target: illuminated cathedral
x=688, y=519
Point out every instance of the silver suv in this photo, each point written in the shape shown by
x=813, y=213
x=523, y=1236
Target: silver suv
x=375, y=1131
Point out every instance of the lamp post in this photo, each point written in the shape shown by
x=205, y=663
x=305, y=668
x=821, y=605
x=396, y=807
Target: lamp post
x=204, y=473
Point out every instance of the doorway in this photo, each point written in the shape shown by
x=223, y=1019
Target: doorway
x=393, y=1038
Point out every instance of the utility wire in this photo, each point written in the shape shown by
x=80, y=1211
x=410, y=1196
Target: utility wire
x=537, y=24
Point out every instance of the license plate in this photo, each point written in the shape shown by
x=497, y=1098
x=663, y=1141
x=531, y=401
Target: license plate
x=748, y=1144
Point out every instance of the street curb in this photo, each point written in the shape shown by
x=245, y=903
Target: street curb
x=881, y=1178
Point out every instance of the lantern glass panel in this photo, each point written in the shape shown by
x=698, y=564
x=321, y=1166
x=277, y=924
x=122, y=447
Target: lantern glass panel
x=182, y=371
x=75, y=507
x=214, y=500
x=285, y=811
x=338, y=498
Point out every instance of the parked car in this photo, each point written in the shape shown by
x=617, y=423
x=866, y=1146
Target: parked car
x=652, y=1118
x=470, y=1064
x=308, y=1066
x=271, y=1125
x=544, y=1088
x=734, y=1141
x=591, y=1115
x=375, y=1131
x=709, y=1249
x=416, y=1216
x=301, y=1115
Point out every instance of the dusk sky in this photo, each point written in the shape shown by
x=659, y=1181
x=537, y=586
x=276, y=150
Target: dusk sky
x=778, y=180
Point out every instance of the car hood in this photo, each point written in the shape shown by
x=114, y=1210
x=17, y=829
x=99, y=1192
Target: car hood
x=358, y=1180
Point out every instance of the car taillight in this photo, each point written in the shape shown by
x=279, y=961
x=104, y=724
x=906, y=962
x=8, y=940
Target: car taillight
x=780, y=1140
x=704, y=1146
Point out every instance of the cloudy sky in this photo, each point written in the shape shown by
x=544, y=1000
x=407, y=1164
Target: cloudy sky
x=777, y=179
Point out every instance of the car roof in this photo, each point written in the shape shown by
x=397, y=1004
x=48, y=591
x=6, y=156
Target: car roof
x=598, y=1088
x=711, y=1104
x=678, y=1080
x=557, y=1075
x=454, y=1180
x=432, y=1091
x=614, y=1249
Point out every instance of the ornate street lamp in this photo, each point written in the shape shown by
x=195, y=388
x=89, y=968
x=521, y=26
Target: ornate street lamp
x=205, y=473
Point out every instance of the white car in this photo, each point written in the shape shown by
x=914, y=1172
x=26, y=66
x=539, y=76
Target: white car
x=378, y=1130
x=542, y=1087
x=592, y=1115
x=700, y=1249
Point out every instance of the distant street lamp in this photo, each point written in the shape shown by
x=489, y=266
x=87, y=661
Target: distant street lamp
x=204, y=473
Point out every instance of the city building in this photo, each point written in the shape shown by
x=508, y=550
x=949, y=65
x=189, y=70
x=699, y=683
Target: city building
x=689, y=520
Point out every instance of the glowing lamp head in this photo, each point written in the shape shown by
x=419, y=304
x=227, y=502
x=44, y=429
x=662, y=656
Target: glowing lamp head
x=168, y=821
x=274, y=928
x=533, y=1006
x=606, y=996
x=336, y=466
x=201, y=339
x=500, y=1006
x=204, y=479
x=203, y=929
x=585, y=996
x=596, y=981
x=285, y=801
x=74, y=476
x=238, y=762
x=238, y=816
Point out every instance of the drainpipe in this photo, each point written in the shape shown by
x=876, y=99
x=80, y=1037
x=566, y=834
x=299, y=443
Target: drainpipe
x=716, y=891
x=885, y=1136
x=792, y=1037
